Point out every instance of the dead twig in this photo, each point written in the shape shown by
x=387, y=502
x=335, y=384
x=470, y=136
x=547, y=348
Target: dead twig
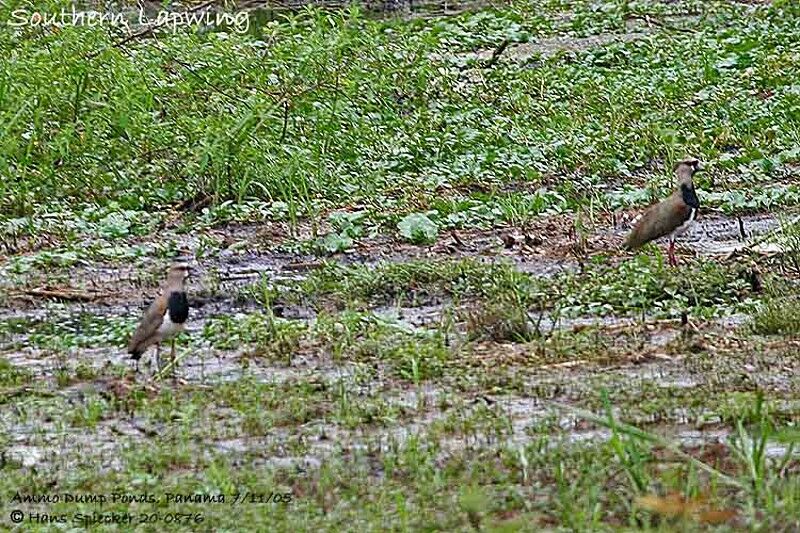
x=69, y=295
x=285, y=120
x=497, y=53
x=457, y=239
x=565, y=364
x=9, y=394
x=653, y=21
x=194, y=204
x=148, y=30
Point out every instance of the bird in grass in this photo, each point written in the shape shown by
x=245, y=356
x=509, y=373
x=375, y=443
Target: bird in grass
x=671, y=216
x=164, y=319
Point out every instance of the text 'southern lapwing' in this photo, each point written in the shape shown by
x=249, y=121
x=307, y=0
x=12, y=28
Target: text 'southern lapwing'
x=671, y=216
x=165, y=318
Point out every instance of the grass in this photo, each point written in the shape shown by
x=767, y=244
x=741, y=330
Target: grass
x=778, y=316
x=13, y=375
x=267, y=334
x=412, y=281
x=641, y=286
x=520, y=483
x=66, y=332
x=410, y=311
x=305, y=129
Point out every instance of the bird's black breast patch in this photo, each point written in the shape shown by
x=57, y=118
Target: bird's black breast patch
x=178, y=307
x=690, y=197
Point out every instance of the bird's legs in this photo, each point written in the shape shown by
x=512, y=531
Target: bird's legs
x=671, y=252
x=172, y=358
x=157, y=359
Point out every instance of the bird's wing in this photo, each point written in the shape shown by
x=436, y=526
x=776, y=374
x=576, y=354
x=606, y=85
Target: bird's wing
x=658, y=221
x=149, y=325
x=677, y=214
x=640, y=234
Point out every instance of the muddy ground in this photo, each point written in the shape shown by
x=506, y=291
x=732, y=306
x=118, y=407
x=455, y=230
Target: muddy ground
x=217, y=289
x=497, y=360
x=339, y=389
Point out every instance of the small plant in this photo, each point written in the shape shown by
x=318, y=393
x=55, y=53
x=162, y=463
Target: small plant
x=335, y=242
x=418, y=228
x=778, y=316
x=472, y=501
x=263, y=334
x=11, y=375
x=790, y=236
x=91, y=413
x=347, y=227
x=750, y=447
x=631, y=452
x=500, y=320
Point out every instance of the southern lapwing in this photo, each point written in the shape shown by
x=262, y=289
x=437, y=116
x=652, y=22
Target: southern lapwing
x=165, y=318
x=671, y=216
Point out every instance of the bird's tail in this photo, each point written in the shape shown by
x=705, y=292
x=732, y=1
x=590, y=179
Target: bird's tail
x=632, y=241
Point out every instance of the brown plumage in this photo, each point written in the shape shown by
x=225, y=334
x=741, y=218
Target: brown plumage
x=165, y=318
x=671, y=216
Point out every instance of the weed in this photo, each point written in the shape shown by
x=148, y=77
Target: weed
x=264, y=334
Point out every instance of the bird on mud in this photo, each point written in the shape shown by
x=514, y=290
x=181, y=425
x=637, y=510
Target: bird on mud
x=672, y=216
x=164, y=319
